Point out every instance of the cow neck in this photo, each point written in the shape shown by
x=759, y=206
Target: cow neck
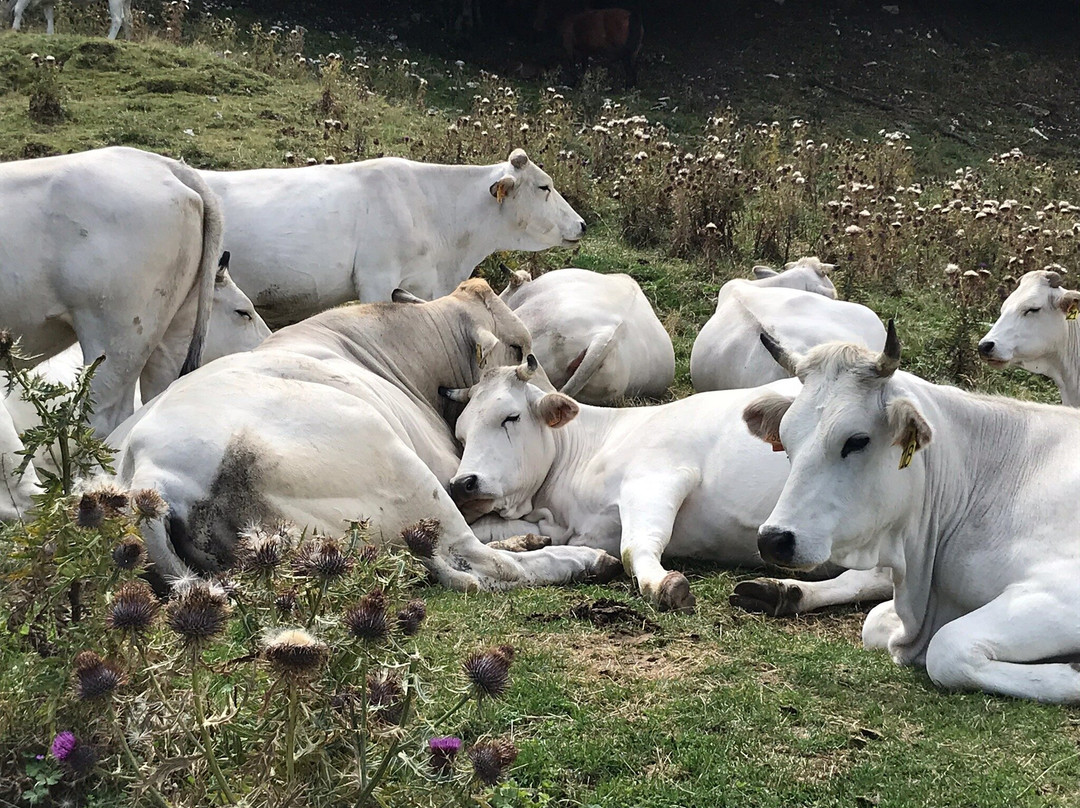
x=965, y=475
x=566, y=487
x=1067, y=371
x=461, y=213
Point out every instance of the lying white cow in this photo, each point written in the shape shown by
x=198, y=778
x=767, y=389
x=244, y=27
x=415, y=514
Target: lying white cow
x=684, y=478
x=333, y=419
x=1038, y=331
x=119, y=14
x=596, y=336
x=306, y=239
x=971, y=500
x=116, y=249
x=797, y=306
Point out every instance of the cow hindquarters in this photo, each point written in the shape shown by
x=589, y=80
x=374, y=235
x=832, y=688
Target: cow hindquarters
x=1001, y=647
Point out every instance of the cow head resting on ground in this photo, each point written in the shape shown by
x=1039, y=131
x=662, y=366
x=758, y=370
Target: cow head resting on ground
x=506, y=430
x=808, y=274
x=851, y=435
x=530, y=206
x=1036, y=332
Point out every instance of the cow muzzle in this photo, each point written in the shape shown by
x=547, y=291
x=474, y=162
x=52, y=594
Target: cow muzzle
x=465, y=489
x=986, y=351
x=776, y=545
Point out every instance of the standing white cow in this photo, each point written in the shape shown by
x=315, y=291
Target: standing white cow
x=797, y=306
x=306, y=239
x=333, y=419
x=1038, y=331
x=119, y=14
x=114, y=248
x=596, y=336
x=970, y=499
x=684, y=478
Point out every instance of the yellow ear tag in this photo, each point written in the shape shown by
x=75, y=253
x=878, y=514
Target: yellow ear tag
x=909, y=450
x=1072, y=312
x=500, y=192
x=479, y=355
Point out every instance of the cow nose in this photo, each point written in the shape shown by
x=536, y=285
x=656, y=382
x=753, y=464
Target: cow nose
x=986, y=347
x=462, y=488
x=776, y=545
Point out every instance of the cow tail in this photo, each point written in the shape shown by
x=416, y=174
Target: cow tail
x=592, y=359
x=213, y=231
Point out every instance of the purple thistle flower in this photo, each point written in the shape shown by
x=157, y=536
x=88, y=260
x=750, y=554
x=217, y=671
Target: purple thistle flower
x=443, y=751
x=64, y=744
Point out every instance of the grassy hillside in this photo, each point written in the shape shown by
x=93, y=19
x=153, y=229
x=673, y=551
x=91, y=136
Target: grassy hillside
x=718, y=708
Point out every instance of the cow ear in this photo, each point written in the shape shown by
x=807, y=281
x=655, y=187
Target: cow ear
x=500, y=189
x=223, y=268
x=763, y=417
x=824, y=269
x=519, y=277
x=403, y=296
x=519, y=159
x=909, y=429
x=485, y=342
x=557, y=409
x=1070, y=304
x=761, y=271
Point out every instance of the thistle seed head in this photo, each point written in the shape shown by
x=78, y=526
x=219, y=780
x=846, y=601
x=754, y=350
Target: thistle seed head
x=366, y=621
x=295, y=654
x=488, y=671
x=491, y=759
x=422, y=538
x=323, y=558
x=133, y=608
x=199, y=612
x=95, y=678
x=149, y=504
x=130, y=553
x=410, y=617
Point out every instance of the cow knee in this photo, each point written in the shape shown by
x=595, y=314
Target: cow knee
x=880, y=625
x=953, y=660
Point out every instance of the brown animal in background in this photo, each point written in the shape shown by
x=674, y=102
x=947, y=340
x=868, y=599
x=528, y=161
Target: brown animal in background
x=609, y=33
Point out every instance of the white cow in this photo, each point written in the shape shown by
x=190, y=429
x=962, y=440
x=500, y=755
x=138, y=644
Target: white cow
x=306, y=239
x=970, y=499
x=681, y=479
x=15, y=488
x=116, y=249
x=797, y=306
x=1038, y=331
x=333, y=419
x=119, y=14
x=596, y=336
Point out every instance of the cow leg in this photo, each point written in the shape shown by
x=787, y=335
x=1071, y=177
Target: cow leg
x=648, y=506
x=491, y=527
x=880, y=625
x=20, y=7
x=119, y=13
x=784, y=596
x=1000, y=647
x=48, y=9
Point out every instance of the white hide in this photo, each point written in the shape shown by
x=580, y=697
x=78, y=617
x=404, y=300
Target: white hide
x=334, y=419
x=1034, y=332
x=119, y=14
x=796, y=306
x=969, y=499
x=306, y=239
x=596, y=336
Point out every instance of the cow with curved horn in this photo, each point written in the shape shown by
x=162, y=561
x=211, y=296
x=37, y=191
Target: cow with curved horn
x=1038, y=331
x=798, y=305
x=969, y=500
x=632, y=481
x=334, y=419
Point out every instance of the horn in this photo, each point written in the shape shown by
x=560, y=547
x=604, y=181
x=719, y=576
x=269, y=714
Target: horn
x=889, y=359
x=527, y=369
x=518, y=158
x=783, y=358
x=403, y=296
x=1053, y=279
x=223, y=263
x=459, y=394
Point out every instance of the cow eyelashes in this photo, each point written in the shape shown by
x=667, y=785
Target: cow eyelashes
x=545, y=188
x=511, y=419
x=856, y=443
x=1035, y=310
x=245, y=314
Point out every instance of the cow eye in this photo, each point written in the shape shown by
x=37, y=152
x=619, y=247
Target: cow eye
x=545, y=188
x=519, y=351
x=856, y=443
x=511, y=419
x=245, y=314
x=1035, y=310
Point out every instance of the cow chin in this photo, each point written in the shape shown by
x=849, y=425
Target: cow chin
x=473, y=509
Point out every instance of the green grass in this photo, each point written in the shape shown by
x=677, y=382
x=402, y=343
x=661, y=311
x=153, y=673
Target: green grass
x=715, y=709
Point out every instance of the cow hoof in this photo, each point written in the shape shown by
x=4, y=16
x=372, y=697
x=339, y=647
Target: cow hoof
x=675, y=594
x=607, y=568
x=522, y=544
x=767, y=596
